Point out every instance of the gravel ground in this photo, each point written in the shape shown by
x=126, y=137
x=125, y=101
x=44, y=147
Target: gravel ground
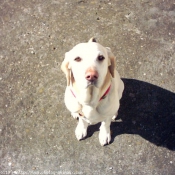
x=37, y=132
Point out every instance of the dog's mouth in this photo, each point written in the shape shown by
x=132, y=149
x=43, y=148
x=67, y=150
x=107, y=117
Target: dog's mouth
x=91, y=83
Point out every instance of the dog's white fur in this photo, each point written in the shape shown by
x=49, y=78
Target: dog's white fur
x=82, y=97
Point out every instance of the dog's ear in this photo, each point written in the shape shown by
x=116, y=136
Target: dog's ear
x=111, y=62
x=92, y=40
x=65, y=67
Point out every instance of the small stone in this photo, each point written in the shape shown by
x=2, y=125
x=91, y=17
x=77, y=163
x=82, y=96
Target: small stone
x=110, y=168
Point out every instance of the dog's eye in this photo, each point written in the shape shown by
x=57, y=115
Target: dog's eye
x=101, y=58
x=77, y=59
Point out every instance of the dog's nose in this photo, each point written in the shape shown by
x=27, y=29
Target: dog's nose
x=91, y=75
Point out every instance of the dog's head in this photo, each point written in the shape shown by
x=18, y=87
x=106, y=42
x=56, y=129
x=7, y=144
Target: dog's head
x=88, y=63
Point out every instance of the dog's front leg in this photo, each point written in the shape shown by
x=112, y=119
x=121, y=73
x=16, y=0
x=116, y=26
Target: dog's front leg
x=81, y=129
x=105, y=135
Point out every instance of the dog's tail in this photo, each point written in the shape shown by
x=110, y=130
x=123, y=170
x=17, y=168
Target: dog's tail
x=92, y=40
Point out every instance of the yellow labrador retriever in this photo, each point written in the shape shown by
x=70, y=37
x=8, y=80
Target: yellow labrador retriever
x=94, y=87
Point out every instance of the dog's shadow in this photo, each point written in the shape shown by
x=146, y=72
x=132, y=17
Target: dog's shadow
x=146, y=110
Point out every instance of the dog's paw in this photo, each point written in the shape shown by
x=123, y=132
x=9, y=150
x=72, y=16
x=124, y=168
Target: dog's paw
x=80, y=132
x=115, y=116
x=75, y=115
x=104, y=137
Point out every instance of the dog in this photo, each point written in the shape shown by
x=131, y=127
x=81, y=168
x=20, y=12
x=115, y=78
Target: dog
x=94, y=87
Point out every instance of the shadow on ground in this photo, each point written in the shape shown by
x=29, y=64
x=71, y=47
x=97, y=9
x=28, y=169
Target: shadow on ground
x=146, y=110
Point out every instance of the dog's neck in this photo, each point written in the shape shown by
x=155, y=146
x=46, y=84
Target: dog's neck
x=91, y=95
